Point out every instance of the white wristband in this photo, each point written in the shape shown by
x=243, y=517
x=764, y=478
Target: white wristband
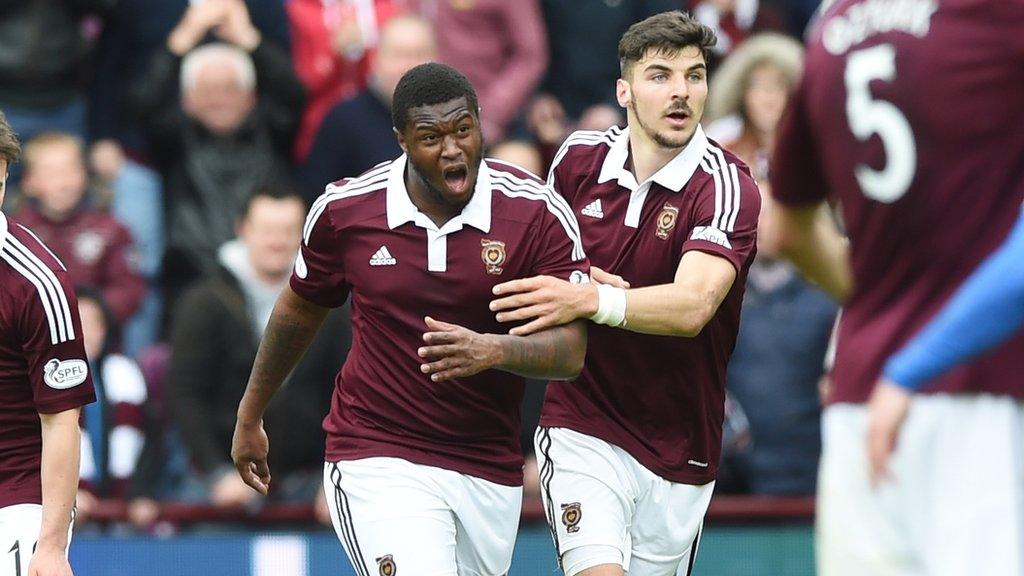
x=611, y=306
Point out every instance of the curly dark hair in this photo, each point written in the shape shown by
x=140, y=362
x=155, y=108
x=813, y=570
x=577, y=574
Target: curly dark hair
x=429, y=84
x=665, y=33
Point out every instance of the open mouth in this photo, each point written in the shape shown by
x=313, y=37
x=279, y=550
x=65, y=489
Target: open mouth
x=457, y=178
x=678, y=117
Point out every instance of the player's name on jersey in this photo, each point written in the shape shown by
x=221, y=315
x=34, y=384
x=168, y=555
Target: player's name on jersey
x=872, y=17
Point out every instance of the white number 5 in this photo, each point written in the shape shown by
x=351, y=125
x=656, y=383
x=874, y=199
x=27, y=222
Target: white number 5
x=868, y=116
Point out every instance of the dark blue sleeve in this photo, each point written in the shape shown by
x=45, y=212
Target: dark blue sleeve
x=986, y=310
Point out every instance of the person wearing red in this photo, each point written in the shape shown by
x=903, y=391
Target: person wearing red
x=44, y=382
x=333, y=46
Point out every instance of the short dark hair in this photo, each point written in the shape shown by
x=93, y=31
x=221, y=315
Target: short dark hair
x=10, y=150
x=666, y=33
x=272, y=192
x=429, y=84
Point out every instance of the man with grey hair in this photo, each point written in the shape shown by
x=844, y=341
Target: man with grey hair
x=221, y=119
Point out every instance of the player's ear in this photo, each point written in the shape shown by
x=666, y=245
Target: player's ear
x=623, y=92
x=401, y=140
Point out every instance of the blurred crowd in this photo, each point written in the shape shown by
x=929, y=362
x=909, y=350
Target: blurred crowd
x=172, y=147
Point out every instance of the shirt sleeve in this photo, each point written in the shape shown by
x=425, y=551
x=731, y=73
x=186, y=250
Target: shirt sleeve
x=560, y=245
x=986, y=310
x=319, y=273
x=51, y=336
x=726, y=220
x=796, y=171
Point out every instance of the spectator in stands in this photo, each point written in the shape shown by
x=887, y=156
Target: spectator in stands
x=749, y=94
x=96, y=248
x=500, y=46
x=215, y=336
x=333, y=47
x=522, y=153
x=42, y=52
x=116, y=424
x=227, y=130
x=578, y=91
x=357, y=134
x=133, y=31
x=775, y=368
x=136, y=200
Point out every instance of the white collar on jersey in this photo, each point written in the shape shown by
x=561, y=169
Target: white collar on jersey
x=3, y=228
x=673, y=175
x=401, y=209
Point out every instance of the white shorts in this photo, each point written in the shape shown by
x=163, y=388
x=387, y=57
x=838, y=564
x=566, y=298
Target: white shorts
x=19, y=531
x=954, y=507
x=597, y=497
x=393, y=516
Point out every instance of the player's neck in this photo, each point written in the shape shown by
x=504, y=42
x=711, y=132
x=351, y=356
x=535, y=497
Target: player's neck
x=429, y=202
x=647, y=157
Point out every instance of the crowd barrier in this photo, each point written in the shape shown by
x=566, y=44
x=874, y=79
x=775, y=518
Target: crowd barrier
x=743, y=536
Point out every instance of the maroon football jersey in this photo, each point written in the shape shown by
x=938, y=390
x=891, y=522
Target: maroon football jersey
x=364, y=236
x=97, y=250
x=660, y=398
x=43, y=367
x=912, y=120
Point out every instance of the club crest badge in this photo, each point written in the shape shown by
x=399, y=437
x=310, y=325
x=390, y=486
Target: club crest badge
x=667, y=221
x=571, y=516
x=386, y=566
x=493, y=255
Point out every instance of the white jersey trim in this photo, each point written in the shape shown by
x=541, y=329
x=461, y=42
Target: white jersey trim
x=51, y=294
x=727, y=188
x=584, y=138
x=513, y=186
x=374, y=180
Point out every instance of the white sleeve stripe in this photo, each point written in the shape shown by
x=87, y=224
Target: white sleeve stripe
x=373, y=174
x=344, y=192
x=61, y=307
x=51, y=319
x=549, y=201
x=559, y=202
x=710, y=166
x=736, y=206
x=584, y=137
x=729, y=194
x=58, y=321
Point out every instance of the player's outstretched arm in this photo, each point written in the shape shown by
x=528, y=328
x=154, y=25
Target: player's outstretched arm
x=451, y=351
x=986, y=310
x=292, y=326
x=59, y=474
x=681, y=308
x=810, y=239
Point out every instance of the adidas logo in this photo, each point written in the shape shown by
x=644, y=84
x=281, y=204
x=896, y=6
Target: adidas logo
x=382, y=258
x=593, y=209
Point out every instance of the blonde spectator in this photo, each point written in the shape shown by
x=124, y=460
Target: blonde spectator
x=749, y=94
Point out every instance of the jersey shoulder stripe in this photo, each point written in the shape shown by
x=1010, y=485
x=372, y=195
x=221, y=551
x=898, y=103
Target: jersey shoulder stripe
x=52, y=297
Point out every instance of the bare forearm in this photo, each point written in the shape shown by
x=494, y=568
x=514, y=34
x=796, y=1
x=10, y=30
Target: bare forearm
x=557, y=352
x=670, y=309
x=291, y=328
x=813, y=243
x=59, y=472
